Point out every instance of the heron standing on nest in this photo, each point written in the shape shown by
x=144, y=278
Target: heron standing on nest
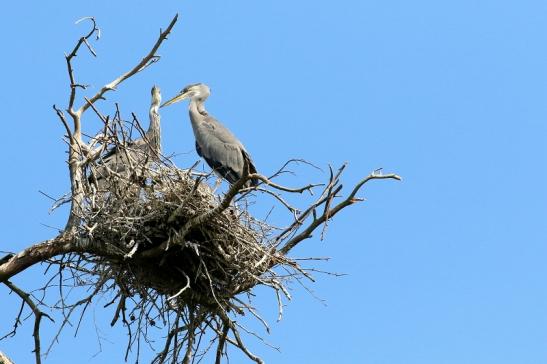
x=137, y=154
x=222, y=151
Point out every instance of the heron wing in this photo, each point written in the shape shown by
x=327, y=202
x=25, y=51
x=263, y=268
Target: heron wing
x=116, y=159
x=224, y=171
x=220, y=131
x=222, y=158
x=222, y=151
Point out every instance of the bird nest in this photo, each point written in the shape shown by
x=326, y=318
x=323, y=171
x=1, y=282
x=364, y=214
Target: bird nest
x=166, y=230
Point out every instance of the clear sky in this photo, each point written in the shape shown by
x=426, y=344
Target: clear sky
x=446, y=267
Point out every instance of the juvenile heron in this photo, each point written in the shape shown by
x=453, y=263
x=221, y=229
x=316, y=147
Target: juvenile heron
x=139, y=152
x=222, y=151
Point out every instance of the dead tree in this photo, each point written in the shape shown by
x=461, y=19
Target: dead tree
x=159, y=243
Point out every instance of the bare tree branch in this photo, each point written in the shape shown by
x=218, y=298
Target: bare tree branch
x=145, y=62
x=221, y=344
x=70, y=56
x=37, y=317
x=4, y=359
x=329, y=213
x=35, y=254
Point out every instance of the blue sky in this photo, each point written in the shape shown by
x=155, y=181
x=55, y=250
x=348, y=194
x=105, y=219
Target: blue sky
x=447, y=267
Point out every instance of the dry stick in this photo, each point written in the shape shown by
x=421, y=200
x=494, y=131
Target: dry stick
x=294, y=160
x=144, y=63
x=73, y=307
x=93, y=154
x=198, y=220
x=4, y=359
x=176, y=346
x=308, y=187
x=227, y=338
x=183, y=288
x=311, y=209
x=331, y=212
x=37, y=317
x=238, y=342
x=242, y=346
x=76, y=174
x=192, y=317
x=257, y=336
x=293, y=210
x=16, y=324
x=70, y=70
x=34, y=254
x=119, y=308
x=328, y=202
x=254, y=313
x=47, y=249
x=61, y=116
x=174, y=330
x=221, y=343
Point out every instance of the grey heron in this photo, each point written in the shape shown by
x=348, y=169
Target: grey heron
x=222, y=151
x=138, y=153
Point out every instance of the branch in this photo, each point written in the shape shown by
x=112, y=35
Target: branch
x=242, y=346
x=333, y=181
x=37, y=317
x=35, y=254
x=71, y=55
x=63, y=120
x=221, y=343
x=283, y=188
x=145, y=62
x=330, y=212
x=4, y=359
x=190, y=336
x=45, y=250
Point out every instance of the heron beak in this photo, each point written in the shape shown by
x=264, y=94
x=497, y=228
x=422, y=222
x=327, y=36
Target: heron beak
x=179, y=97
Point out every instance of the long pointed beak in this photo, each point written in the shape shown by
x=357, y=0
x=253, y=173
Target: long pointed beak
x=179, y=97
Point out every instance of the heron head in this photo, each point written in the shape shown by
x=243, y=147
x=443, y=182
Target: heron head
x=197, y=91
x=156, y=95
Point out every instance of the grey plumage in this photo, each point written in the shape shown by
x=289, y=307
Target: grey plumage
x=222, y=151
x=138, y=153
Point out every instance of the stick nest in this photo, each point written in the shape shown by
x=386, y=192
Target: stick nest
x=139, y=221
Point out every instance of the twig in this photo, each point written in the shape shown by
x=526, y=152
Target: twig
x=331, y=212
x=183, y=288
x=37, y=317
x=73, y=54
x=308, y=187
x=63, y=120
x=145, y=62
x=242, y=346
x=221, y=343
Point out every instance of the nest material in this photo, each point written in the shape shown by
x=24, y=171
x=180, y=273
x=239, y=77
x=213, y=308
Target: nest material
x=215, y=260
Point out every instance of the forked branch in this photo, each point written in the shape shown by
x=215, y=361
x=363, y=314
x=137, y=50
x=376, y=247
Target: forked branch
x=38, y=314
x=147, y=60
x=332, y=189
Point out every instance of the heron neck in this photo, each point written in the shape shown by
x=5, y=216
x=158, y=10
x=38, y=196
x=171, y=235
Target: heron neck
x=198, y=106
x=153, y=134
x=196, y=109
